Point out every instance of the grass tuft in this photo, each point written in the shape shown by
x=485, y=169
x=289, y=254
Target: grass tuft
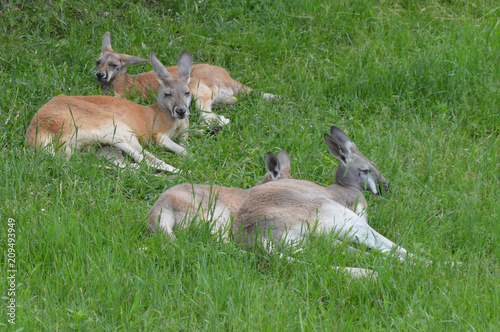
x=414, y=84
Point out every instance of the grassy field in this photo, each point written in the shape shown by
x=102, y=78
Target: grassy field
x=415, y=84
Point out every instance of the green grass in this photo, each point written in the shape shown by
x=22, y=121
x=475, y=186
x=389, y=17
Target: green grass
x=414, y=84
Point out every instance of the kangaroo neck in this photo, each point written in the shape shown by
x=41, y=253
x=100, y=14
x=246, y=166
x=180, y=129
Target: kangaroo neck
x=120, y=85
x=350, y=197
x=166, y=115
x=106, y=87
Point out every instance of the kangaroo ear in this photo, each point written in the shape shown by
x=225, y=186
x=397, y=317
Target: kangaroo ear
x=132, y=60
x=273, y=165
x=184, y=65
x=339, y=136
x=159, y=69
x=338, y=149
x=106, y=42
x=284, y=160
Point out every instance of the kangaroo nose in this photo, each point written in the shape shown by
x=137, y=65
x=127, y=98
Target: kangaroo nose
x=387, y=186
x=100, y=75
x=181, y=111
x=383, y=187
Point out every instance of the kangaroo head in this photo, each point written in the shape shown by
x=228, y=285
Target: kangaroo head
x=277, y=167
x=354, y=170
x=110, y=64
x=174, y=95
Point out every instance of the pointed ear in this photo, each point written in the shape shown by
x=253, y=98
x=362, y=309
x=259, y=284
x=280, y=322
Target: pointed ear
x=339, y=136
x=273, y=165
x=159, y=69
x=132, y=60
x=284, y=160
x=106, y=42
x=184, y=65
x=337, y=149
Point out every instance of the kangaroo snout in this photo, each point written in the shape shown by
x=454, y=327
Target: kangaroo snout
x=181, y=112
x=383, y=186
x=100, y=76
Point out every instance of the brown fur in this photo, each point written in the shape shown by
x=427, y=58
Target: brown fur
x=182, y=203
x=205, y=82
x=70, y=113
x=288, y=210
x=209, y=84
x=77, y=121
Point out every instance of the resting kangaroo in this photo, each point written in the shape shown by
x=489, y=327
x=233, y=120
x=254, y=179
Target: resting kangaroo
x=288, y=210
x=73, y=122
x=209, y=84
x=181, y=203
x=352, y=178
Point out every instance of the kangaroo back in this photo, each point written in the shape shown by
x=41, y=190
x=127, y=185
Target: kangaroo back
x=73, y=122
x=287, y=211
x=209, y=84
x=183, y=203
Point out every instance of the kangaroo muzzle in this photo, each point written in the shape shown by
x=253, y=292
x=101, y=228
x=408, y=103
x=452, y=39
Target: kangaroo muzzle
x=181, y=112
x=383, y=187
x=100, y=76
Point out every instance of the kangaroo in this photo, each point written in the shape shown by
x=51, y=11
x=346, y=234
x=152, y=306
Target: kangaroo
x=209, y=84
x=288, y=210
x=182, y=203
x=73, y=122
x=353, y=177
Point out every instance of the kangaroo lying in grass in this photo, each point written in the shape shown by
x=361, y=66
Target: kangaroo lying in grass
x=209, y=84
x=355, y=174
x=288, y=210
x=180, y=204
x=73, y=122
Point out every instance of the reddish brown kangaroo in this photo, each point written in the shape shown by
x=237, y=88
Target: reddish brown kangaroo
x=73, y=122
x=209, y=84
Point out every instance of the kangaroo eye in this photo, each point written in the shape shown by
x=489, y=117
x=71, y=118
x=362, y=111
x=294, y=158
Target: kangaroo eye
x=188, y=93
x=168, y=94
x=366, y=171
x=98, y=62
